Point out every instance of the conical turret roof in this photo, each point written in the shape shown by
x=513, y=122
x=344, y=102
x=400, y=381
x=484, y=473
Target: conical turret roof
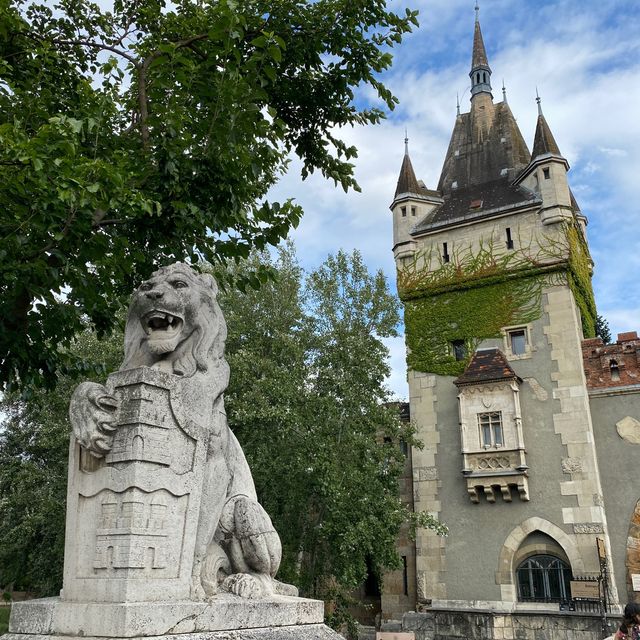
x=544, y=142
x=407, y=181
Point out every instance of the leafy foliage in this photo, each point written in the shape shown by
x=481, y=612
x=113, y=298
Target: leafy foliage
x=602, y=329
x=152, y=132
x=34, y=450
x=308, y=404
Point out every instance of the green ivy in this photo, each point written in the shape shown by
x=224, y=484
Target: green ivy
x=579, y=274
x=476, y=294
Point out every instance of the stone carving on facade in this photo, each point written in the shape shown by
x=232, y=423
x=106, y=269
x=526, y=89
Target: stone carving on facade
x=588, y=527
x=159, y=485
x=422, y=474
x=629, y=429
x=538, y=390
x=571, y=465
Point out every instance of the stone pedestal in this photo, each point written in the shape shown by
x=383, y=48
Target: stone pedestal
x=227, y=617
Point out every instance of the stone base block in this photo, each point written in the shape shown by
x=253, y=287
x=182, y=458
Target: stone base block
x=52, y=617
x=295, y=632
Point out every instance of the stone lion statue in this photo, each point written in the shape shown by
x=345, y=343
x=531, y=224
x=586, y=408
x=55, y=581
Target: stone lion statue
x=175, y=325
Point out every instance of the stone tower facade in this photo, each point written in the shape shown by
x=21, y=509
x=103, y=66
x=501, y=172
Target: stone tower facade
x=494, y=273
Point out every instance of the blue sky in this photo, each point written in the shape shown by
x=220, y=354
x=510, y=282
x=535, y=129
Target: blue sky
x=583, y=56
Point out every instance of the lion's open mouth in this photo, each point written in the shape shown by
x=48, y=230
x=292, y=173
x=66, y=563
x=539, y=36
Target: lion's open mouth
x=160, y=325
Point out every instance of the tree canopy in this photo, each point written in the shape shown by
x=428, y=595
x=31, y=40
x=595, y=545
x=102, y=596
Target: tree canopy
x=152, y=133
x=308, y=404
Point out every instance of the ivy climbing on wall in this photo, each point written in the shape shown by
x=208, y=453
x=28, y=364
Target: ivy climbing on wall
x=479, y=292
x=579, y=274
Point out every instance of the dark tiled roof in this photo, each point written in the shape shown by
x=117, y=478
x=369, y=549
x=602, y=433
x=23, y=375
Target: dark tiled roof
x=486, y=365
x=407, y=181
x=479, y=154
x=574, y=203
x=479, y=58
x=477, y=201
x=544, y=142
x=485, y=154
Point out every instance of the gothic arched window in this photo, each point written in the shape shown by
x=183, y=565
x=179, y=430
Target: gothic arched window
x=543, y=578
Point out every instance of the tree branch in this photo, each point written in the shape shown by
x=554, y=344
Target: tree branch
x=88, y=43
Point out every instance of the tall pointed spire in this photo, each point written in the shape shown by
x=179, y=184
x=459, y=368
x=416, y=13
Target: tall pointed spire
x=543, y=142
x=480, y=73
x=407, y=181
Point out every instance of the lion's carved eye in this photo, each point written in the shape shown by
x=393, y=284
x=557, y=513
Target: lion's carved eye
x=179, y=284
x=145, y=286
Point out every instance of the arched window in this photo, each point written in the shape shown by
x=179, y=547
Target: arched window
x=543, y=578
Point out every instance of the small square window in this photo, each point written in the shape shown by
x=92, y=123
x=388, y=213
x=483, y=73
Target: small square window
x=459, y=349
x=546, y=173
x=518, y=342
x=413, y=211
x=403, y=210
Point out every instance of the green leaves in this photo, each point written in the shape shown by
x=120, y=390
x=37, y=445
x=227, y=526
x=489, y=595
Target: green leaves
x=34, y=447
x=308, y=404
x=153, y=133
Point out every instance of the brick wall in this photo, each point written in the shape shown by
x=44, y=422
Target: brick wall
x=612, y=365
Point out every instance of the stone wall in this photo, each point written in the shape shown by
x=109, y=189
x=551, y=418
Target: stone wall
x=399, y=586
x=490, y=625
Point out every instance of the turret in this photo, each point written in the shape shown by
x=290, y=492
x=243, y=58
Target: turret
x=546, y=175
x=411, y=203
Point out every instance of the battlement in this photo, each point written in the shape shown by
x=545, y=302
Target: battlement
x=612, y=365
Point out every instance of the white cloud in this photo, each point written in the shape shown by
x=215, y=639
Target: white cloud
x=583, y=57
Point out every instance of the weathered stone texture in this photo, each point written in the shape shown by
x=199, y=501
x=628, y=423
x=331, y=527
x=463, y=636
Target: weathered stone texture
x=51, y=616
x=301, y=632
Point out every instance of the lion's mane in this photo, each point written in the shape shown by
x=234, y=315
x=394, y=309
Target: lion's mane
x=203, y=349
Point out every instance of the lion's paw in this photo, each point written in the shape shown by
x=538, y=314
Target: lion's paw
x=92, y=413
x=244, y=585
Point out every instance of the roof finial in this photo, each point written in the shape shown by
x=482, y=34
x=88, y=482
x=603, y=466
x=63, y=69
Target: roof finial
x=406, y=142
x=457, y=104
x=477, y=12
x=538, y=100
x=504, y=92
